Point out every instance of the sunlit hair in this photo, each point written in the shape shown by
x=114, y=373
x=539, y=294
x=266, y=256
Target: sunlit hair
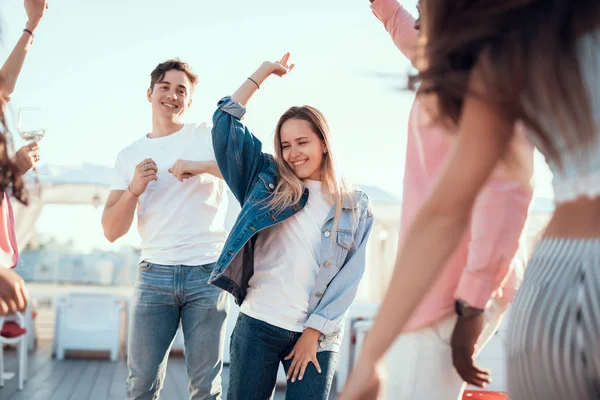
x=527, y=56
x=10, y=178
x=290, y=188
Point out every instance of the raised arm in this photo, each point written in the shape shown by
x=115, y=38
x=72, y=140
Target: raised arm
x=483, y=138
x=238, y=152
x=400, y=24
x=14, y=63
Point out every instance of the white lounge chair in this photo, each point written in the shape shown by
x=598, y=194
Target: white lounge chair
x=88, y=321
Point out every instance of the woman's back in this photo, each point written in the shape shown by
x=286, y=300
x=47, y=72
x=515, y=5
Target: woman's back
x=576, y=179
x=578, y=174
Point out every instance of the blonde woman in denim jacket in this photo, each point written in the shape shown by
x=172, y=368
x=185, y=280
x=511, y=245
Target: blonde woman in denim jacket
x=296, y=253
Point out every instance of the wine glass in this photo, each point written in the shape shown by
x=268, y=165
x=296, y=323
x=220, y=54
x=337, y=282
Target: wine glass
x=31, y=125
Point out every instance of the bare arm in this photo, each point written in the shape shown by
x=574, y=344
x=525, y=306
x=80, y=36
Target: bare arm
x=250, y=85
x=248, y=88
x=400, y=24
x=185, y=169
x=237, y=151
x=118, y=213
x=120, y=205
x=211, y=167
x=14, y=63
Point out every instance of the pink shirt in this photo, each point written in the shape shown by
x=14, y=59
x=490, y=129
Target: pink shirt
x=490, y=259
x=9, y=252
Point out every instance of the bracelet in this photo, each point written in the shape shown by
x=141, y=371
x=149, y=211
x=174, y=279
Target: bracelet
x=132, y=192
x=257, y=85
x=30, y=32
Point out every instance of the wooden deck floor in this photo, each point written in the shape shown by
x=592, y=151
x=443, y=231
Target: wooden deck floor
x=89, y=379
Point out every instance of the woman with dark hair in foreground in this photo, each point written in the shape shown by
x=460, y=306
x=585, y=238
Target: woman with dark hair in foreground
x=486, y=65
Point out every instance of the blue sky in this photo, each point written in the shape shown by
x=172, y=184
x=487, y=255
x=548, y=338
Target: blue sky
x=89, y=70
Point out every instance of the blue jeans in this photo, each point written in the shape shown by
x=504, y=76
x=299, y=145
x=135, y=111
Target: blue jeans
x=257, y=348
x=164, y=296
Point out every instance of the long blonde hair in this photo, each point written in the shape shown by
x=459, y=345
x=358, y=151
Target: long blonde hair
x=290, y=188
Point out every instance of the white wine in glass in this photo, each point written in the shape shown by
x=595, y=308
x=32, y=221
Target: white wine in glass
x=31, y=125
x=33, y=136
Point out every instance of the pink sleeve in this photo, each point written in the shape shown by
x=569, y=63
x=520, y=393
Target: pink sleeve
x=9, y=252
x=511, y=283
x=494, y=258
x=399, y=23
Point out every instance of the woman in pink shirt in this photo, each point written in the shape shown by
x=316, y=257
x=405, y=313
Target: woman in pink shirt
x=13, y=294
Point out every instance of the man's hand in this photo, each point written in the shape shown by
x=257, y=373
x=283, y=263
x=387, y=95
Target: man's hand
x=464, y=340
x=13, y=294
x=144, y=173
x=185, y=169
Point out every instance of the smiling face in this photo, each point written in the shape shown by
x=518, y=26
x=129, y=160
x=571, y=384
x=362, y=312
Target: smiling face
x=302, y=149
x=171, y=95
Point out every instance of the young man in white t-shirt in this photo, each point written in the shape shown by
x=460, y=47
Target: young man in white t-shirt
x=170, y=175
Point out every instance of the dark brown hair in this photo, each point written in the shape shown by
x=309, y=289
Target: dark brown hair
x=10, y=177
x=526, y=52
x=174, y=64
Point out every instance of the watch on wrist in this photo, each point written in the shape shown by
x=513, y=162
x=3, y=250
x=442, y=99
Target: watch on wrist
x=464, y=310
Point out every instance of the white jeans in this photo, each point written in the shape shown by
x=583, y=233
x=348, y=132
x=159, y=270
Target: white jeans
x=419, y=364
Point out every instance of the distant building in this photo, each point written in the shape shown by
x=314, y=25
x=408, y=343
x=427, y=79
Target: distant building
x=59, y=265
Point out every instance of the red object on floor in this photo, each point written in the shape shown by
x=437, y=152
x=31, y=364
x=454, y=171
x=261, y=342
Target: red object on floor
x=484, y=395
x=12, y=330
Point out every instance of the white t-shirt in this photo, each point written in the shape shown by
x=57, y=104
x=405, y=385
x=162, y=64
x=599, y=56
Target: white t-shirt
x=180, y=223
x=286, y=262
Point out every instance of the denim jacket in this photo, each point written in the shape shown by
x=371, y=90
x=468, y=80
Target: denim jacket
x=252, y=176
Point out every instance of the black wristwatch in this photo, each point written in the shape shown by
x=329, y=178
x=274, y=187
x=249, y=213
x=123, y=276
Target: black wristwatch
x=464, y=310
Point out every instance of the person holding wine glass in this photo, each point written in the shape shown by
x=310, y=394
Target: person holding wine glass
x=13, y=293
